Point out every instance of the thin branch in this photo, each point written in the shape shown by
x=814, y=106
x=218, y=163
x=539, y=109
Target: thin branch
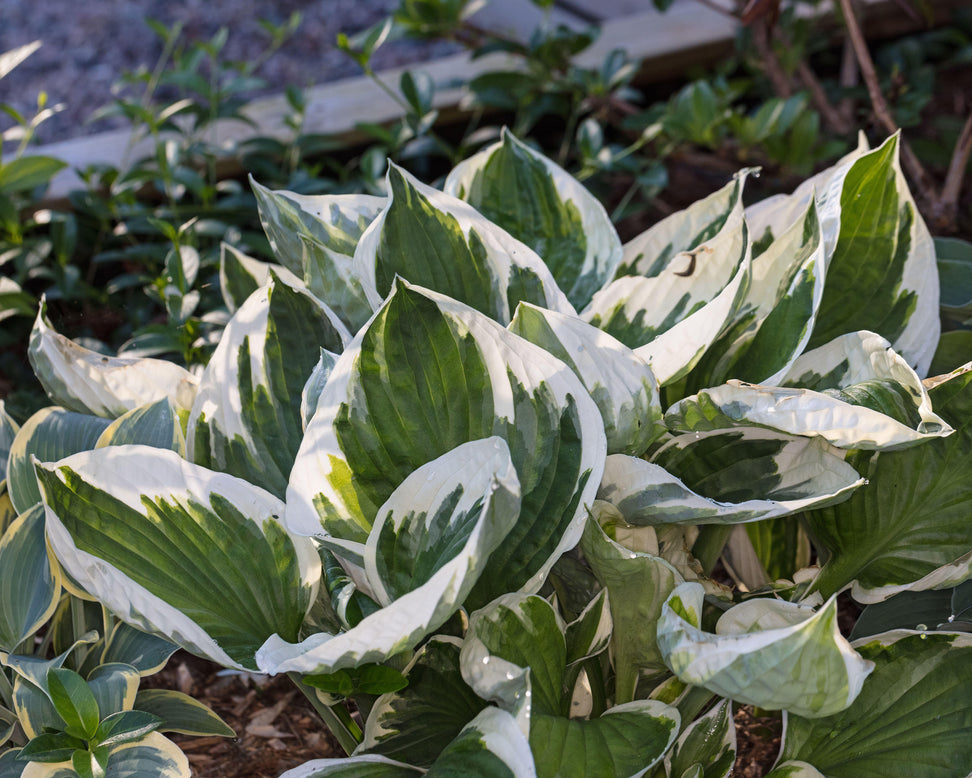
x=948, y=202
x=771, y=63
x=833, y=117
x=882, y=113
x=848, y=78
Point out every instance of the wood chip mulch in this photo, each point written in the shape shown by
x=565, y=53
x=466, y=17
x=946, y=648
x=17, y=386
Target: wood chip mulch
x=276, y=728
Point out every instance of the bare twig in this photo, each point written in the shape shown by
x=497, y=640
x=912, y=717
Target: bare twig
x=831, y=115
x=948, y=202
x=771, y=63
x=849, y=74
x=882, y=112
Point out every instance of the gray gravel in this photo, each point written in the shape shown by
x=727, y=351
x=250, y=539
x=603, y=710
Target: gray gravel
x=88, y=44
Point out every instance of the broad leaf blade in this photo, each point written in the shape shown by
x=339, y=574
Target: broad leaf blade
x=181, y=713
x=85, y=381
x=620, y=382
x=415, y=724
x=489, y=745
x=908, y=528
x=155, y=547
x=911, y=719
x=158, y=424
x=709, y=742
x=429, y=545
x=440, y=242
x=727, y=477
x=769, y=653
x=49, y=435
x=29, y=585
x=882, y=274
x=539, y=203
x=246, y=419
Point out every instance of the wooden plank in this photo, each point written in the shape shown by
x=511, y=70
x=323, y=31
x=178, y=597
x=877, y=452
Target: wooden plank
x=519, y=18
x=602, y=10
x=688, y=34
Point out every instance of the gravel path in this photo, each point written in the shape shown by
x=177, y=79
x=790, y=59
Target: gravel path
x=88, y=44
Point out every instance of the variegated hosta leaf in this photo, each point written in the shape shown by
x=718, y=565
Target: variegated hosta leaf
x=590, y=633
x=651, y=252
x=514, y=652
x=181, y=713
x=158, y=424
x=622, y=384
x=311, y=392
x=769, y=653
x=775, y=319
x=331, y=276
x=489, y=745
x=8, y=431
x=541, y=204
x=911, y=719
x=146, y=653
x=908, y=528
x=429, y=544
x=31, y=701
x=29, y=586
x=415, y=724
x=707, y=745
x=882, y=275
x=792, y=768
x=855, y=392
x=627, y=740
x=335, y=221
x=247, y=419
x=49, y=435
x=154, y=755
x=426, y=375
x=727, y=477
x=197, y=556
x=638, y=584
x=241, y=275
x=88, y=382
x=364, y=766
x=114, y=686
x=440, y=242
x=461, y=504
x=637, y=309
x=769, y=218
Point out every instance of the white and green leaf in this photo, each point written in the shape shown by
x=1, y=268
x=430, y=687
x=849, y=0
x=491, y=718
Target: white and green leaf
x=855, y=392
x=414, y=724
x=85, y=381
x=246, y=419
x=882, y=275
x=241, y=275
x=364, y=766
x=8, y=431
x=335, y=221
x=545, y=207
x=654, y=250
x=49, y=435
x=770, y=653
x=727, y=477
x=638, y=584
x=440, y=242
x=425, y=376
x=158, y=424
x=911, y=719
x=908, y=528
x=157, y=546
x=708, y=745
x=181, y=713
x=430, y=542
x=29, y=585
x=621, y=383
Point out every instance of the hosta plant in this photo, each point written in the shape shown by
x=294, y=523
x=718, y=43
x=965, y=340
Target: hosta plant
x=540, y=502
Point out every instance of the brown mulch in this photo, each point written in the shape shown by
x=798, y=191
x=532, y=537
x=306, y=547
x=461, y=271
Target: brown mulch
x=276, y=728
